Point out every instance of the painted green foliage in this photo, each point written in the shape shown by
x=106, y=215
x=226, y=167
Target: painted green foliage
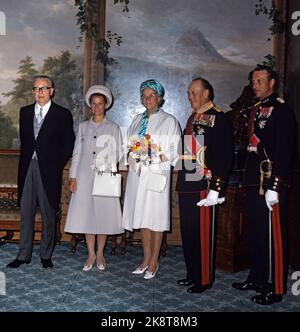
x=87, y=26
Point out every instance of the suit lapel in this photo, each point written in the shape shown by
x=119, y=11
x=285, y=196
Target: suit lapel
x=29, y=120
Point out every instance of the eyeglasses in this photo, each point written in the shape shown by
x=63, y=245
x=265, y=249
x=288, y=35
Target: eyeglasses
x=151, y=96
x=42, y=88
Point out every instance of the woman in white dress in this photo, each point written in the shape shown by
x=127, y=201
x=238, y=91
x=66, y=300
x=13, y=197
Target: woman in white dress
x=94, y=216
x=147, y=197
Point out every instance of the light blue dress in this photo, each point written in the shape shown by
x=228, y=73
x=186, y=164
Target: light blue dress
x=89, y=214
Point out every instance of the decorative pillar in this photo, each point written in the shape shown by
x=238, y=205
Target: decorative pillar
x=93, y=71
x=279, y=44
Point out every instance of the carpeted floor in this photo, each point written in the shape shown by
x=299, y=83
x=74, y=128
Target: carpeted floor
x=66, y=287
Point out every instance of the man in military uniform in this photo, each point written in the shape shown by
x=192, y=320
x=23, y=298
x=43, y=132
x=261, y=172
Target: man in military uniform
x=271, y=130
x=206, y=161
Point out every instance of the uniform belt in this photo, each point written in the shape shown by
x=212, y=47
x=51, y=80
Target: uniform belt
x=187, y=157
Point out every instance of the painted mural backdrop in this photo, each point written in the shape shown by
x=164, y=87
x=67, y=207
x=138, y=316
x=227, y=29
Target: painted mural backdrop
x=41, y=37
x=175, y=41
x=171, y=40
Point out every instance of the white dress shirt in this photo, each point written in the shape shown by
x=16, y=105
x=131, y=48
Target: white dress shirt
x=45, y=108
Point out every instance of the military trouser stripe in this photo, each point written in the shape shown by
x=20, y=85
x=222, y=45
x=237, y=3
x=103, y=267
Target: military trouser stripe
x=213, y=239
x=270, y=278
x=278, y=254
x=205, y=240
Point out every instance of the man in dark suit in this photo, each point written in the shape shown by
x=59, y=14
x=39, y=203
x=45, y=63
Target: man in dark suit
x=206, y=162
x=268, y=171
x=47, y=139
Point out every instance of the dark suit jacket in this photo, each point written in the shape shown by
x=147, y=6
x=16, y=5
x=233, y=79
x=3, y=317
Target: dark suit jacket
x=274, y=125
x=54, y=146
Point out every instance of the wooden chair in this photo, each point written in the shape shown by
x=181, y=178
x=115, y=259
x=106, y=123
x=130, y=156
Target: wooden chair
x=10, y=218
x=76, y=238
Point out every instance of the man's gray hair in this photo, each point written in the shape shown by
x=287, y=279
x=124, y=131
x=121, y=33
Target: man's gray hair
x=44, y=77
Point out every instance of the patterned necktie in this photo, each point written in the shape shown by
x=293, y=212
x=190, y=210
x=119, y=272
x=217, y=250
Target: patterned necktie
x=40, y=115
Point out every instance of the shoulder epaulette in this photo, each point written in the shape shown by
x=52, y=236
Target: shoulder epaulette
x=217, y=109
x=280, y=100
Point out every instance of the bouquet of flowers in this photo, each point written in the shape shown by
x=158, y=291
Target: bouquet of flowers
x=143, y=150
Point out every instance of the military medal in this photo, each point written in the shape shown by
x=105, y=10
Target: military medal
x=265, y=112
x=262, y=124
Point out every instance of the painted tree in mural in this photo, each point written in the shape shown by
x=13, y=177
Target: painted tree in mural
x=67, y=77
x=22, y=92
x=66, y=72
x=7, y=131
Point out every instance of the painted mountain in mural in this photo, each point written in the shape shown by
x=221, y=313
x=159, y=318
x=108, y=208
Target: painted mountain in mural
x=190, y=49
x=192, y=55
x=194, y=43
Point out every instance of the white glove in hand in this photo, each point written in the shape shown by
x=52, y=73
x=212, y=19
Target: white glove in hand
x=134, y=166
x=132, y=163
x=211, y=199
x=271, y=198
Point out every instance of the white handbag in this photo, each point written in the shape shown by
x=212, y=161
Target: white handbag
x=156, y=182
x=107, y=184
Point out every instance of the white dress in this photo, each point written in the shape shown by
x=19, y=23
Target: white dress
x=144, y=208
x=89, y=214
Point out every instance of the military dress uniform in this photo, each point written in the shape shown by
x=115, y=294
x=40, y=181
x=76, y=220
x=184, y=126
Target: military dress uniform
x=271, y=129
x=205, y=164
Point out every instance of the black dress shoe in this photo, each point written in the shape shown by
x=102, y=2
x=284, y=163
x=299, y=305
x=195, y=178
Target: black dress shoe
x=17, y=262
x=249, y=285
x=266, y=298
x=199, y=288
x=46, y=263
x=185, y=282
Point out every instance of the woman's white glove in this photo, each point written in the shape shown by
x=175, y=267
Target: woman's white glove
x=212, y=198
x=271, y=198
x=134, y=166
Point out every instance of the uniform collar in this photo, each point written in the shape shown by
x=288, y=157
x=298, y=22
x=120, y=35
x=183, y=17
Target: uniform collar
x=267, y=101
x=205, y=107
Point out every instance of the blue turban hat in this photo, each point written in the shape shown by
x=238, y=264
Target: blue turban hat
x=154, y=85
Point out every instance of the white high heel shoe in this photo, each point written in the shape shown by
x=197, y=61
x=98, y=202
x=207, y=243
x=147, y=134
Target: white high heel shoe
x=101, y=267
x=87, y=267
x=140, y=270
x=149, y=275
